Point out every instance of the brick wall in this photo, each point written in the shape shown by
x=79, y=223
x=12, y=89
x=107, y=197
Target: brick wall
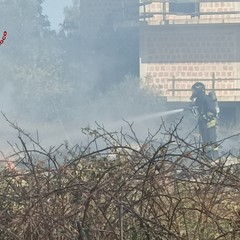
x=219, y=7
x=190, y=43
x=158, y=77
x=190, y=52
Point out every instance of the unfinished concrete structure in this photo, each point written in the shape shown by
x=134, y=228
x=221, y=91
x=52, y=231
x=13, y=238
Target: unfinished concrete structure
x=187, y=41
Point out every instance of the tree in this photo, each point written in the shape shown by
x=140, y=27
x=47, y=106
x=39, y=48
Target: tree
x=112, y=54
x=33, y=58
x=25, y=25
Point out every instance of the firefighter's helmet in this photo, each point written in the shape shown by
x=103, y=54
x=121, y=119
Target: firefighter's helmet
x=197, y=89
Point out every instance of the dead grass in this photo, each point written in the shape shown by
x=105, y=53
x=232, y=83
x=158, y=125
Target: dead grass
x=159, y=191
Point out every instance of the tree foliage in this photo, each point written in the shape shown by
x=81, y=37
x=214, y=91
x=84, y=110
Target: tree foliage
x=64, y=71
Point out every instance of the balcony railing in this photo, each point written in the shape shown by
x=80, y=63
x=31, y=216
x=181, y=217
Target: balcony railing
x=166, y=16
x=211, y=81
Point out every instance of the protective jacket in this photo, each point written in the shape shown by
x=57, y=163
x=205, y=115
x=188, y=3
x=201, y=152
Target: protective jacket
x=206, y=110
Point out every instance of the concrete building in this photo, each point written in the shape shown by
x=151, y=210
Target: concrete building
x=182, y=42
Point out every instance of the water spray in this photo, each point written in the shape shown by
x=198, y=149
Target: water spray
x=143, y=118
x=155, y=115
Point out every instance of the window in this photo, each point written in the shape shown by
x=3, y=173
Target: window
x=184, y=8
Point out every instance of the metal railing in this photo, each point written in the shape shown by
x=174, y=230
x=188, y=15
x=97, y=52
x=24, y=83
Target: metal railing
x=213, y=81
x=145, y=14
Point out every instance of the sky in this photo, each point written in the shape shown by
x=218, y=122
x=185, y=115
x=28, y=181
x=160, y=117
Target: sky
x=54, y=10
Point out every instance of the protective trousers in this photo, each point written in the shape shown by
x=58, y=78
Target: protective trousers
x=209, y=139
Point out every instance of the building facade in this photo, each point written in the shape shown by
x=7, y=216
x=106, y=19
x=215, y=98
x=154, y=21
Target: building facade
x=182, y=42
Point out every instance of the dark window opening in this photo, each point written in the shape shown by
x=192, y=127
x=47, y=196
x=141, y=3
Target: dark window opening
x=184, y=8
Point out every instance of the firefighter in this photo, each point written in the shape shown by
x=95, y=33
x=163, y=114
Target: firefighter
x=204, y=108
